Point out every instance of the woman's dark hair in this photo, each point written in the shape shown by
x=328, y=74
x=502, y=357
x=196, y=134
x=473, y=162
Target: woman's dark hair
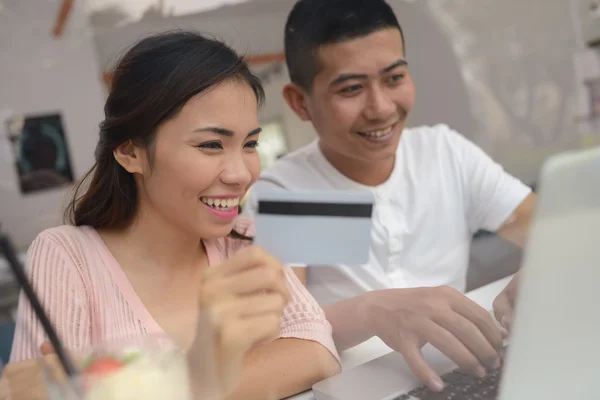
x=151, y=84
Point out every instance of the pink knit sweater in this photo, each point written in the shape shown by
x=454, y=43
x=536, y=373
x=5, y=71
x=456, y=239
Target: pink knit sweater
x=90, y=300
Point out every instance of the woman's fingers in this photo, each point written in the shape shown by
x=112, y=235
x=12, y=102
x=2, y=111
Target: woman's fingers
x=261, y=273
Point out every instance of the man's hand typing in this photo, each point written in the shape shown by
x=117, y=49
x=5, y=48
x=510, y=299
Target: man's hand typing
x=407, y=319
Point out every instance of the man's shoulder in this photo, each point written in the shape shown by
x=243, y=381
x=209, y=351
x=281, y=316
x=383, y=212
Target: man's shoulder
x=292, y=166
x=430, y=133
x=429, y=140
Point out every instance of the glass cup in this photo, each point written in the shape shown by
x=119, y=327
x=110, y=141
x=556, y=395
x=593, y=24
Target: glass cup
x=145, y=368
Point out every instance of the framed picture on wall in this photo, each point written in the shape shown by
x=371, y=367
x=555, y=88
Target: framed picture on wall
x=41, y=154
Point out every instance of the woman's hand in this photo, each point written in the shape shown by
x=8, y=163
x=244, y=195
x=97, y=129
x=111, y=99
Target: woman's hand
x=241, y=304
x=25, y=379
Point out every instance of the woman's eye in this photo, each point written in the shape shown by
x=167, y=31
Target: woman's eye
x=252, y=144
x=210, y=145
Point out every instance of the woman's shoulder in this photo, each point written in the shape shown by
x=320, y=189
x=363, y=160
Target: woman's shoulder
x=65, y=242
x=67, y=237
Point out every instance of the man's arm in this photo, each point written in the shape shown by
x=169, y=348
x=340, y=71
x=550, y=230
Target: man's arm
x=491, y=195
x=349, y=324
x=516, y=227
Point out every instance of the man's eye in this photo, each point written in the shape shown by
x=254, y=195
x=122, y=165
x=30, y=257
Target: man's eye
x=351, y=89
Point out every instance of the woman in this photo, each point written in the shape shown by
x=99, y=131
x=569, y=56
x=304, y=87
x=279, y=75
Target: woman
x=154, y=241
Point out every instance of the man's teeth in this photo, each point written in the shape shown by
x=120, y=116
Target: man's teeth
x=223, y=204
x=379, y=133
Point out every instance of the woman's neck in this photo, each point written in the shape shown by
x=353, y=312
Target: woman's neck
x=152, y=244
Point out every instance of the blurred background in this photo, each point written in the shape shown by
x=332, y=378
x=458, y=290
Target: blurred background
x=520, y=78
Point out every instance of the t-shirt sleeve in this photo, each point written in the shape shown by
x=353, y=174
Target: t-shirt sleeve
x=58, y=284
x=302, y=317
x=491, y=194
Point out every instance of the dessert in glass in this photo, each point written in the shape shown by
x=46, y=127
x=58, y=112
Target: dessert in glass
x=147, y=368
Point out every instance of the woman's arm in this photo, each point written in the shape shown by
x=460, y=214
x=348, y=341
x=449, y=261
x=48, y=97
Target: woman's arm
x=58, y=284
x=303, y=355
x=282, y=368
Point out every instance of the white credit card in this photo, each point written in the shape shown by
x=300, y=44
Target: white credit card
x=315, y=227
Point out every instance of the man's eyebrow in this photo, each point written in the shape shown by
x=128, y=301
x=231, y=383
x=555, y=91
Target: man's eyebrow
x=350, y=76
x=399, y=63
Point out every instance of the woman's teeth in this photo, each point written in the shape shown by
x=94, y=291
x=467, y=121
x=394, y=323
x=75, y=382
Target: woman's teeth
x=221, y=204
x=379, y=133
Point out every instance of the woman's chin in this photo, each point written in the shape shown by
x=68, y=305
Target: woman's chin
x=215, y=231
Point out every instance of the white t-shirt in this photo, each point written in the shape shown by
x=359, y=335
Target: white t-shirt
x=443, y=189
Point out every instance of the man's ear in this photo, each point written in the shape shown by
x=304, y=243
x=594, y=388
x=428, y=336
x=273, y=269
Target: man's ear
x=131, y=157
x=295, y=96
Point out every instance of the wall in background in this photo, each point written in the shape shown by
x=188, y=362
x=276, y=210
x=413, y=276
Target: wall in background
x=39, y=75
x=517, y=59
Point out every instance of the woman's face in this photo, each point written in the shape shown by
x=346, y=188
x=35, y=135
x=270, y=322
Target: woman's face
x=203, y=161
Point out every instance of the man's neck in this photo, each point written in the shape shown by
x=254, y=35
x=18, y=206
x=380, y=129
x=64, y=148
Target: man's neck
x=368, y=173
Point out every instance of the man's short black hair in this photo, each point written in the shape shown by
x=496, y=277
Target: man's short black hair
x=314, y=23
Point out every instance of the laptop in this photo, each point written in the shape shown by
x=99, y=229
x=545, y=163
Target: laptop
x=554, y=350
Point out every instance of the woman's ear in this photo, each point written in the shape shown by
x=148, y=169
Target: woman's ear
x=295, y=96
x=131, y=157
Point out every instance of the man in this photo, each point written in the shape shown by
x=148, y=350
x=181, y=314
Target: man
x=433, y=190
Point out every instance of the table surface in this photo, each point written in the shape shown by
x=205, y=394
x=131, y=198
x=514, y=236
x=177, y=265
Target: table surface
x=374, y=347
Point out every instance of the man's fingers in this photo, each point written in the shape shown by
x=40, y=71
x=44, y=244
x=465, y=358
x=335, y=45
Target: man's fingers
x=481, y=319
x=415, y=361
x=454, y=349
x=471, y=337
x=506, y=321
x=504, y=304
x=503, y=310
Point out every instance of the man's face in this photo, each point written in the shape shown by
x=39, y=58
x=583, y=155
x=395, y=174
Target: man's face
x=361, y=97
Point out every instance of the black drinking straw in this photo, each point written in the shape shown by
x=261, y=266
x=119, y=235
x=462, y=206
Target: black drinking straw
x=9, y=252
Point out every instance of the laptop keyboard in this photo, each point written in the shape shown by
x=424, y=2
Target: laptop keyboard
x=460, y=386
